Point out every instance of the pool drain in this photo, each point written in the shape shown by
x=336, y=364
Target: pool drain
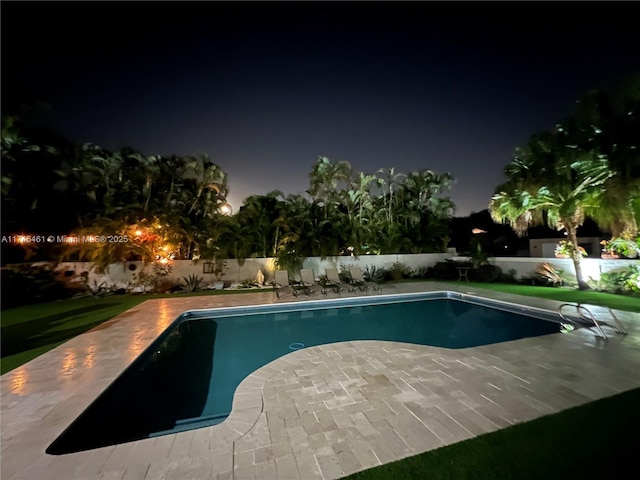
x=296, y=346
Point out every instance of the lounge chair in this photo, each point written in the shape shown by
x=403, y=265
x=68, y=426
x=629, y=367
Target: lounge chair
x=334, y=282
x=281, y=284
x=307, y=281
x=358, y=280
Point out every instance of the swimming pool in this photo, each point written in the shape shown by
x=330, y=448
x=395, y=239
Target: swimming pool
x=187, y=377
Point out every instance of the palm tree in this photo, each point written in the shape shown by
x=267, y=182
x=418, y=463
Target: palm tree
x=425, y=212
x=260, y=213
x=209, y=184
x=236, y=241
x=294, y=220
x=58, y=196
x=150, y=165
x=325, y=179
x=354, y=212
x=608, y=122
x=361, y=188
x=550, y=181
x=170, y=182
x=108, y=170
x=389, y=183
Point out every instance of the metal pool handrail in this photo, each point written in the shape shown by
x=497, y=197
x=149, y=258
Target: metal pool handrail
x=587, y=316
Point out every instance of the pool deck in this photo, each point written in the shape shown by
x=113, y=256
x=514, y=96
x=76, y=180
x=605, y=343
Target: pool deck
x=317, y=413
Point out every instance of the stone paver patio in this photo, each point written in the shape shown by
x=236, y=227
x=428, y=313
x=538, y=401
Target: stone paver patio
x=320, y=412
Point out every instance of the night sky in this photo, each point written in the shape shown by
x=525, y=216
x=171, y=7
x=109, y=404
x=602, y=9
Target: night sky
x=264, y=88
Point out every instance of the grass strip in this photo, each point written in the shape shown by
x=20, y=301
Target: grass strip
x=592, y=441
x=629, y=303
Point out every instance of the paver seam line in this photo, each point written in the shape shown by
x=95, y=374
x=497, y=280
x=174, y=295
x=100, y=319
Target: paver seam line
x=455, y=421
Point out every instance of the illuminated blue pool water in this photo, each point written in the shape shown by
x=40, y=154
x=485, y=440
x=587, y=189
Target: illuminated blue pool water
x=186, y=379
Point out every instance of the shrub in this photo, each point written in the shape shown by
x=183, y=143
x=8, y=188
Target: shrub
x=398, y=271
x=621, y=281
x=565, y=248
x=487, y=273
x=509, y=277
x=444, y=270
x=247, y=283
x=420, y=272
x=155, y=281
x=288, y=259
x=478, y=254
x=622, y=246
x=373, y=273
x=142, y=282
x=168, y=285
x=344, y=274
x=97, y=289
x=192, y=282
x=549, y=274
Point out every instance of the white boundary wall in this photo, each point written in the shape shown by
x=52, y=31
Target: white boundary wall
x=591, y=267
x=120, y=274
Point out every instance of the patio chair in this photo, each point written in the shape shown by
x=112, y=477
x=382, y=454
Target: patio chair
x=307, y=281
x=334, y=282
x=358, y=280
x=281, y=284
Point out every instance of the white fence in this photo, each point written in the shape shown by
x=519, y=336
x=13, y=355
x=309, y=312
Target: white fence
x=121, y=275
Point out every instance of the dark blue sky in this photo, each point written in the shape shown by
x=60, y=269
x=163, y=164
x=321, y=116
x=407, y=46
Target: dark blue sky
x=264, y=88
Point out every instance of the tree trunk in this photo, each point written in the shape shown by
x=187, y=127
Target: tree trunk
x=576, y=256
x=148, y=185
x=169, y=195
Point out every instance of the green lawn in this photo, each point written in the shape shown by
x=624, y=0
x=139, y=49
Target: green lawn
x=570, y=295
x=593, y=441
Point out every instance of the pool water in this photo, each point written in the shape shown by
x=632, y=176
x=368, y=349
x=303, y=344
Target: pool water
x=187, y=378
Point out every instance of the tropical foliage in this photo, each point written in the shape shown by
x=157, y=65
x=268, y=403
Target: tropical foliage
x=608, y=122
x=103, y=206
x=114, y=206
x=350, y=213
x=566, y=249
x=587, y=166
x=621, y=281
x=551, y=182
x=111, y=206
x=621, y=246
